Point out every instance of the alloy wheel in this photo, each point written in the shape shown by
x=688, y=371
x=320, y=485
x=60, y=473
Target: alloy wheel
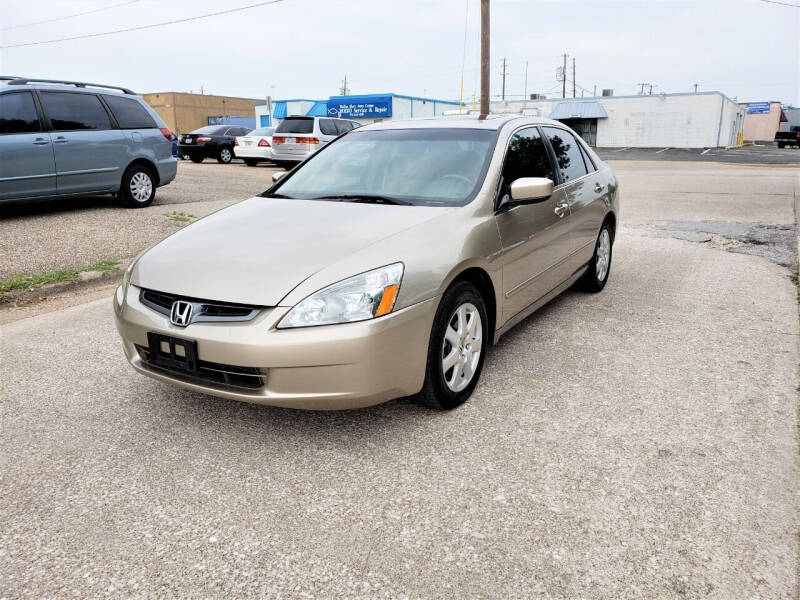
x=462, y=346
x=141, y=186
x=603, y=254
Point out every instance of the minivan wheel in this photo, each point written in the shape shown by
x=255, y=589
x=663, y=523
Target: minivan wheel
x=138, y=187
x=456, y=349
x=225, y=155
x=599, y=269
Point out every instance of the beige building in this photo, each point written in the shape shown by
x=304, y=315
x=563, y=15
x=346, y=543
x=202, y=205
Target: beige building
x=762, y=121
x=184, y=112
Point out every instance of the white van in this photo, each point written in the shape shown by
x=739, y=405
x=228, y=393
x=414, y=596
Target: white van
x=297, y=137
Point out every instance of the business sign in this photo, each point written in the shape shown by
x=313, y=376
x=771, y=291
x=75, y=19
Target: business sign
x=360, y=108
x=758, y=108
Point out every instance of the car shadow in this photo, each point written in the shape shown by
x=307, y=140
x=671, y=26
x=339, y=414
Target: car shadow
x=27, y=208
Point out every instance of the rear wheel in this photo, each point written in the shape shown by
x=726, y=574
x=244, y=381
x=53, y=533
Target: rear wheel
x=225, y=155
x=599, y=269
x=781, y=145
x=197, y=158
x=138, y=188
x=251, y=162
x=456, y=348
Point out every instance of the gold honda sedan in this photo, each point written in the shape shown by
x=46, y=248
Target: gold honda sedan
x=380, y=267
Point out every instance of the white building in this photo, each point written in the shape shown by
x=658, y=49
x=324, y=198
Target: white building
x=701, y=120
x=364, y=108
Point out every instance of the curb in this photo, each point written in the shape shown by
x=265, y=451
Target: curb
x=85, y=280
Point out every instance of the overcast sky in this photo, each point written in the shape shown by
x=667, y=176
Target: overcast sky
x=744, y=48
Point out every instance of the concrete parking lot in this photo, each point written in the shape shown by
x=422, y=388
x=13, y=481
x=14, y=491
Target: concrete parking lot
x=641, y=442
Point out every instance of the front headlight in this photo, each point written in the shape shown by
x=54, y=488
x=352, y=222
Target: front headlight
x=365, y=296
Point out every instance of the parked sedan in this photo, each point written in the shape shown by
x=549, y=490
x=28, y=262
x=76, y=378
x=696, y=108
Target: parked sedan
x=383, y=266
x=255, y=147
x=212, y=141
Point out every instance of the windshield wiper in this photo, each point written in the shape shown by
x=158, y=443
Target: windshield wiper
x=278, y=196
x=365, y=198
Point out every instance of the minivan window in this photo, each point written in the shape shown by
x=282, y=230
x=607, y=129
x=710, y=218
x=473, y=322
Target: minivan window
x=424, y=167
x=526, y=157
x=568, y=155
x=73, y=112
x=18, y=114
x=326, y=127
x=129, y=113
x=296, y=125
x=343, y=126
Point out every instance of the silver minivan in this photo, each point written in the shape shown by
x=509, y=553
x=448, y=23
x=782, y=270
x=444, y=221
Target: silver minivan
x=297, y=137
x=69, y=138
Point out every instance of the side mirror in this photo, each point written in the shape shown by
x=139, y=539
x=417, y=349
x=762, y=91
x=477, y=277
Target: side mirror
x=277, y=176
x=531, y=189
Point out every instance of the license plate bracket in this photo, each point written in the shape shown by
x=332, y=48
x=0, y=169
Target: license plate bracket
x=175, y=354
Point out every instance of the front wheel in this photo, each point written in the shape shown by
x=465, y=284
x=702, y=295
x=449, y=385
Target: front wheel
x=599, y=269
x=456, y=348
x=138, y=188
x=225, y=155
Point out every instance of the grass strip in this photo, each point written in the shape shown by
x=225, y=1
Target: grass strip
x=24, y=282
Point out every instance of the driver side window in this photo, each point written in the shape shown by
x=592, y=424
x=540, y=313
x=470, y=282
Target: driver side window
x=526, y=157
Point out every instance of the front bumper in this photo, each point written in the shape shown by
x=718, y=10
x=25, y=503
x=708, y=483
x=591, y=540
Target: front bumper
x=323, y=368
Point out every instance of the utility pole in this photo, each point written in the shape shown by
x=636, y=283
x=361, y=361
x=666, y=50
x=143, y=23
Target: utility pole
x=573, y=76
x=525, y=95
x=695, y=88
x=594, y=93
x=505, y=63
x=564, y=78
x=343, y=91
x=644, y=85
x=484, y=58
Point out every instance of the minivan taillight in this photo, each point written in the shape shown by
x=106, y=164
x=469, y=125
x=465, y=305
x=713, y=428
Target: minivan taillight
x=166, y=133
x=263, y=143
x=277, y=139
x=307, y=140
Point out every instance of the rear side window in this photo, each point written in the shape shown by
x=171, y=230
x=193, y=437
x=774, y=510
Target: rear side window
x=327, y=127
x=71, y=112
x=18, y=114
x=343, y=126
x=568, y=154
x=129, y=113
x=296, y=125
x=587, y=159
x=526, y=157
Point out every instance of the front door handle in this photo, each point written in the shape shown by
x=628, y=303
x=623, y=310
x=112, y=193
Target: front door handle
x=40, y=142
x=60, y=140
x=561, y=209
x=598, y=188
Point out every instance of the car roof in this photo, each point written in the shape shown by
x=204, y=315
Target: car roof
x=8, y=82
x=491, y=122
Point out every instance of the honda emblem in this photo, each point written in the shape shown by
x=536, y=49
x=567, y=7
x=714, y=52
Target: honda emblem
x=181, y=314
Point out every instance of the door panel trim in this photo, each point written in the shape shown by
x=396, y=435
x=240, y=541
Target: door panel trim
x=525, y=283
x=88, y=171
x=21, y=177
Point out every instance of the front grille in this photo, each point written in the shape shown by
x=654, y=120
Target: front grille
x=202, y=310
x=249, y=378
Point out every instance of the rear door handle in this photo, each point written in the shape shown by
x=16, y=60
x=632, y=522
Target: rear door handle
x=40, y=142
x=561, y=209
x=598, y=188
x=60, y=140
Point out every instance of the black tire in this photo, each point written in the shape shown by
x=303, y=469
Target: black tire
x=781, y=145
x=436, y=393
x=251, y=162
x=288, y=166
x=225, y=155
x=196, y=158
x=138, y=187
x=591, y=281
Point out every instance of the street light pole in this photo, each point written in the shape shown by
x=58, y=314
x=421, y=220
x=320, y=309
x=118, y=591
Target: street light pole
x=484, y=58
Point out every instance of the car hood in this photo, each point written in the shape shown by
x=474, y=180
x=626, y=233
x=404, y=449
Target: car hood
x=257, y=251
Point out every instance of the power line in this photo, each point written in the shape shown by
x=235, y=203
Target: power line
x=139, y=28
x=782, y=3
x=80, y=14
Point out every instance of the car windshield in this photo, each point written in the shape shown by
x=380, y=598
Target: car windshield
x=262, y=131
x=212, y=129
x=424, y=167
